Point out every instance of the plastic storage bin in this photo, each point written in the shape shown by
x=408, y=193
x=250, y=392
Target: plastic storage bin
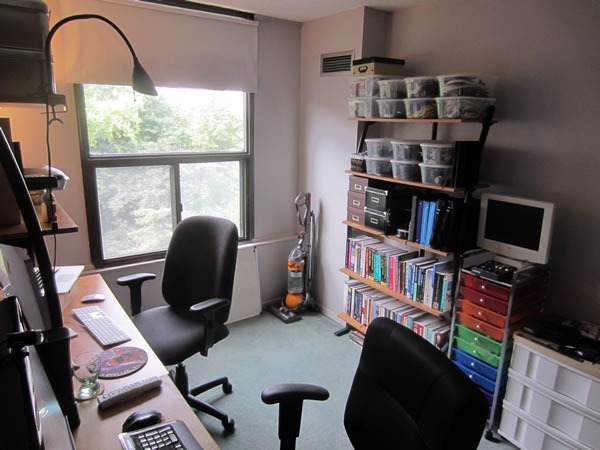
x=379, y=147
x=408, y=150
x=406, y=170
x=420, y=108
x=392, y=88
x=365, y=86
x=463, y=107
x=438, y=153
x=391, y=108
x=422, y=87
x=366, y=107
x=467, y=84
x=438, y=174
x=378, y=165
x=357, y=162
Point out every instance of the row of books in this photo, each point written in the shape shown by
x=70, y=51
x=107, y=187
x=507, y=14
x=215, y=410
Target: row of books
x=423, y=279
x=364, y=303
x=434, y=221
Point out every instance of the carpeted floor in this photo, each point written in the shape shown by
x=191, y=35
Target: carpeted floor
x=262, y=351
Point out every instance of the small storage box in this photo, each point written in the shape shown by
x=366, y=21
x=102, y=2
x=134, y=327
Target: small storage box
x=408, y=150
x=406, y=170
x=358, y=184
x=377, y=165
x=367, y=86
x=440, y=175
x=420, y=87
x=420, y=108
x=438, y=153
x=391, y=108
x=366, y=107
x=356, y=200
x=356, y=215
x=392, y=88
x=380, y=147
x=467, y=84
x=473, y=108
x=357, y=162
x=377, y=65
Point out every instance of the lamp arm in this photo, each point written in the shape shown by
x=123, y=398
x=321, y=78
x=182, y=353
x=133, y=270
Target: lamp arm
x=62, y=22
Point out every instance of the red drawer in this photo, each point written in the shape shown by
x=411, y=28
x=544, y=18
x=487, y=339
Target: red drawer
x=485, y=286
x=484, y=300
x=495, y=318
x=356, y=199
x=485, y=328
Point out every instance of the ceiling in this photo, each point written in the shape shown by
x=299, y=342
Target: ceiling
x=305, y=10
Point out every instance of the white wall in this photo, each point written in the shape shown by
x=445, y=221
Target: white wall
x=545, y=145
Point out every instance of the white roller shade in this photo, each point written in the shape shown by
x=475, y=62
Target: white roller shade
x=176, y=47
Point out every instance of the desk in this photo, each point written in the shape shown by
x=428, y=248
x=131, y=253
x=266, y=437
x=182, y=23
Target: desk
x=99, y=428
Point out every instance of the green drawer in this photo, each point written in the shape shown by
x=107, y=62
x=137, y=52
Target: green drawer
x=480, y=340
x=477, y=351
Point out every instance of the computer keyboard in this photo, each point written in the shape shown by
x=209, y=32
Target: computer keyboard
x=166, y=436
x=100, y=325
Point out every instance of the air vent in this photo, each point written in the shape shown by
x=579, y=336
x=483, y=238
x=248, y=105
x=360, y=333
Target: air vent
x=336, y=63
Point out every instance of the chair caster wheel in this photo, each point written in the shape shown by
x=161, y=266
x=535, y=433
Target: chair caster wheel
x=228, y=425
x=228, y=388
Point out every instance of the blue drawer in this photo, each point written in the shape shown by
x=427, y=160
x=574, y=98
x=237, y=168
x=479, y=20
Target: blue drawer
x=475, y=364
x=477, y=378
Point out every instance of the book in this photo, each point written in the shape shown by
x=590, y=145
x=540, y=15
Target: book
x=424, y=221
x=413, y=218
x=419, y=220
x=430, y=219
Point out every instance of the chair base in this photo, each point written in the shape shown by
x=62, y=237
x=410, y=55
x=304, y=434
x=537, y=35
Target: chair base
x=180, y=377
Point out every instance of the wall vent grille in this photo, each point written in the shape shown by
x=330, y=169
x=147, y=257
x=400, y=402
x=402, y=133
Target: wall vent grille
x=339, y=63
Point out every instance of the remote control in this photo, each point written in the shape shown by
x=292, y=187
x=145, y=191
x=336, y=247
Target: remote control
x=127, y=392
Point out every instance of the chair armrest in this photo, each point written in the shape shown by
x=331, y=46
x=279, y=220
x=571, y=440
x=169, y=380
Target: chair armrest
x=293, y=391
x=134, y=283
x=208, y=310
x=290, y=398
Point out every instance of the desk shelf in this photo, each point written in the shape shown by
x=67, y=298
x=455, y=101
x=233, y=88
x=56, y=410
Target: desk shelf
x=19, y=231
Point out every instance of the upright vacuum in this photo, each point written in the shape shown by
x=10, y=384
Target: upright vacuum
x=300, y=267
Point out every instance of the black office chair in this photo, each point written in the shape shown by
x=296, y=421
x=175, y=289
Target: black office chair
x=405, y=394
x=197, y=285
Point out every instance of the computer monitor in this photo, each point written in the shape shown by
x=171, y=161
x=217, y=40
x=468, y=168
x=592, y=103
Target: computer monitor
x=516, y=228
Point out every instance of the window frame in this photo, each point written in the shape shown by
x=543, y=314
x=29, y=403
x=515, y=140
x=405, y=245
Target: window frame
x=89, y=164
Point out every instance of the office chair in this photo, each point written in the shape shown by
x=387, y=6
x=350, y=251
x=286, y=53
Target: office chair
x=197, y=285
x=405, y=394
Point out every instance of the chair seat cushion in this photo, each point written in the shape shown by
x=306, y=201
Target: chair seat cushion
x=173, y=334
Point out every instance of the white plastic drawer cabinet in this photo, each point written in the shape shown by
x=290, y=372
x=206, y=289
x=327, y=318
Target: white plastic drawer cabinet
x=551, y=400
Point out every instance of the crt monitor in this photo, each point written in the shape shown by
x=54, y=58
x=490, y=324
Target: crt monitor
x=516, y=228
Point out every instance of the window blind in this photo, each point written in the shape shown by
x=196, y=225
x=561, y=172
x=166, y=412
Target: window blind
x=177, y=47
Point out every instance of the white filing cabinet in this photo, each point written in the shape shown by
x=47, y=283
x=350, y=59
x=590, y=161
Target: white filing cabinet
x=551, y=401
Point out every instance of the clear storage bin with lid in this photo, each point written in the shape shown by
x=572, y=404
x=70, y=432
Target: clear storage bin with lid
x=438, y=152
x=378, y=165
x=379, y=147
x=421, y=87
x=463, y=107
x=406, y=150
x=437, y=174
x=367, y=86
x=406, y=170
x=391, y=108
x=420, y=108
x=357, y=162
x=392, y=88
x=467, y=84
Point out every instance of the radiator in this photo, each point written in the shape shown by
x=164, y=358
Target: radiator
x=246, y=301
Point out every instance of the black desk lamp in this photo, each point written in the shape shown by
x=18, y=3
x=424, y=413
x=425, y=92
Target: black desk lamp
x=141, y=80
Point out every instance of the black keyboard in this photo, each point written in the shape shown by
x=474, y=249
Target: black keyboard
x=174, y=435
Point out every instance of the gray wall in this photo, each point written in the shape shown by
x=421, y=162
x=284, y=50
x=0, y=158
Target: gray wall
x=544, y=145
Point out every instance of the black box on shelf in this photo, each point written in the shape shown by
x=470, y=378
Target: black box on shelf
x=377, y=65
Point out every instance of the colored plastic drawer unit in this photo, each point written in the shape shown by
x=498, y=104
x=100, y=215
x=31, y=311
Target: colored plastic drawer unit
x=484, y=300
x=484, y=286
x=480, y=380
x=477, y=352
x=478, y=339
x=493, y=317
x=475, y=364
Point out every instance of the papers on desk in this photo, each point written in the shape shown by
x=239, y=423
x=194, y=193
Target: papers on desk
x=65, y=277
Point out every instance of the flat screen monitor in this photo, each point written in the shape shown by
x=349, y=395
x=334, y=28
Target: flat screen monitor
x=516, y=228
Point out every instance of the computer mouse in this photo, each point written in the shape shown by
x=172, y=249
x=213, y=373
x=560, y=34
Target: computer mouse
x=93, y=298
x=142, y=419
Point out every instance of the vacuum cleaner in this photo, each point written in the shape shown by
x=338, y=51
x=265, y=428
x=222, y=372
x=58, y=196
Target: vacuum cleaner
x=300, y=267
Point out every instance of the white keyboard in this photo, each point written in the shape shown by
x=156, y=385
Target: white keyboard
x=100, y=325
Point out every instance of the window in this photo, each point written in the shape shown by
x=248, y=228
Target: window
x=149, y=162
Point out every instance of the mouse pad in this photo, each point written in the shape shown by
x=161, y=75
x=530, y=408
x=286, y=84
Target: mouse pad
x=121, y=361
